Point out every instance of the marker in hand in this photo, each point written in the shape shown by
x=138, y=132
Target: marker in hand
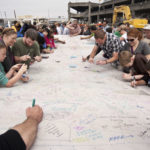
x=33, y=102
x=133, y=82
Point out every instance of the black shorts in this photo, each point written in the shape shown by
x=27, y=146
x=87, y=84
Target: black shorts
x=11, y=140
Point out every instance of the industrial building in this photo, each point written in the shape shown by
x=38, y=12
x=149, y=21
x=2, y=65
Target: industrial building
x=89, y=12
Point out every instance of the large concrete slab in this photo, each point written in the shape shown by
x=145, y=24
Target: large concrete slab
x=86, y=107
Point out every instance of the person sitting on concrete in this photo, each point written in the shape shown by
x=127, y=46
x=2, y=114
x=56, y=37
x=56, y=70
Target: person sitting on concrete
x=22, y=136
x=147, y=34
x=93, y=29
x=14, y=26
x=139, y=71
x=85, y=30
x=26, y=50
x=8, y=39
x=11, y=77
x=74, y=28
x=123, y=33
x=116, y=30
x=109, y=30
x=59, y=29
x=41, y=42
x=109, y=44
x=19, y=29
x=145, y=79
x=49, y=39
x=66, y=30
x=53, y=28
x=127, y=26
x=105, y=25
x=1, y=31
x=135, y=44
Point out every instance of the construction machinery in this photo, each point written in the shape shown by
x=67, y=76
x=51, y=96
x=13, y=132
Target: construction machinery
x=127, y=17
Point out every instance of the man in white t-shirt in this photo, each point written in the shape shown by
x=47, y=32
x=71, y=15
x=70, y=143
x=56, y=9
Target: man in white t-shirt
x=123, y=33
x=66, y=30
x=147, y=34
x=59, y=29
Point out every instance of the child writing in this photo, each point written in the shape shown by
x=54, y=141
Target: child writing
x=49, y=38
x=11, y=77
x=138, y=64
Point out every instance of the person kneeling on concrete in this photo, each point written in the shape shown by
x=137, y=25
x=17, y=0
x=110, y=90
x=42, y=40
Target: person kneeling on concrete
x=109, y=44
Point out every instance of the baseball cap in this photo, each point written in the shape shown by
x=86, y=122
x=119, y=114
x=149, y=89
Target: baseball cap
x=147, y=27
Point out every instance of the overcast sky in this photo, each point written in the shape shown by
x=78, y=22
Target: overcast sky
x=36, y=7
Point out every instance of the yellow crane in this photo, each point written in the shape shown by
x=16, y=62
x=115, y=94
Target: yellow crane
x=137, y=22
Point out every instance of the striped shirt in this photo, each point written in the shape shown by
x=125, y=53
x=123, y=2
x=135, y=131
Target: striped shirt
x=111, y=45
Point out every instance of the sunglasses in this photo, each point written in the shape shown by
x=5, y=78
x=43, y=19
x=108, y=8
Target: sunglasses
x=130, y=40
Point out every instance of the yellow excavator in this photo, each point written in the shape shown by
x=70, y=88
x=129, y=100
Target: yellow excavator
x=137, y=22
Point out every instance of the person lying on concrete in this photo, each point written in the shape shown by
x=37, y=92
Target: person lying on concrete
x=139, y=72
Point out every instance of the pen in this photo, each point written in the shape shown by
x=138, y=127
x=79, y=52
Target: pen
x=33, y=102
x=134, y=80
x=23, y=75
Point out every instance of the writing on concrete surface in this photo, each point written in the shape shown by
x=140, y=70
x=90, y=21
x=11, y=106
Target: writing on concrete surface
x=83, y=109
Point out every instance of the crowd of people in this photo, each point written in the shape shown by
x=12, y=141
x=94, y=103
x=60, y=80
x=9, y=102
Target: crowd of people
x=20, y=46
x=128, y=49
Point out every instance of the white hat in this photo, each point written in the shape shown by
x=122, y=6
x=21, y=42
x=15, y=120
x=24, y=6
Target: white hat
x=131, y=26
x=147, y=27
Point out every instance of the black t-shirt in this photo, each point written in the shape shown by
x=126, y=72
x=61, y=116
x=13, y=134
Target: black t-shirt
x=146, y=78
x=11, y=140
x=139, y=64
x=9, y=60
